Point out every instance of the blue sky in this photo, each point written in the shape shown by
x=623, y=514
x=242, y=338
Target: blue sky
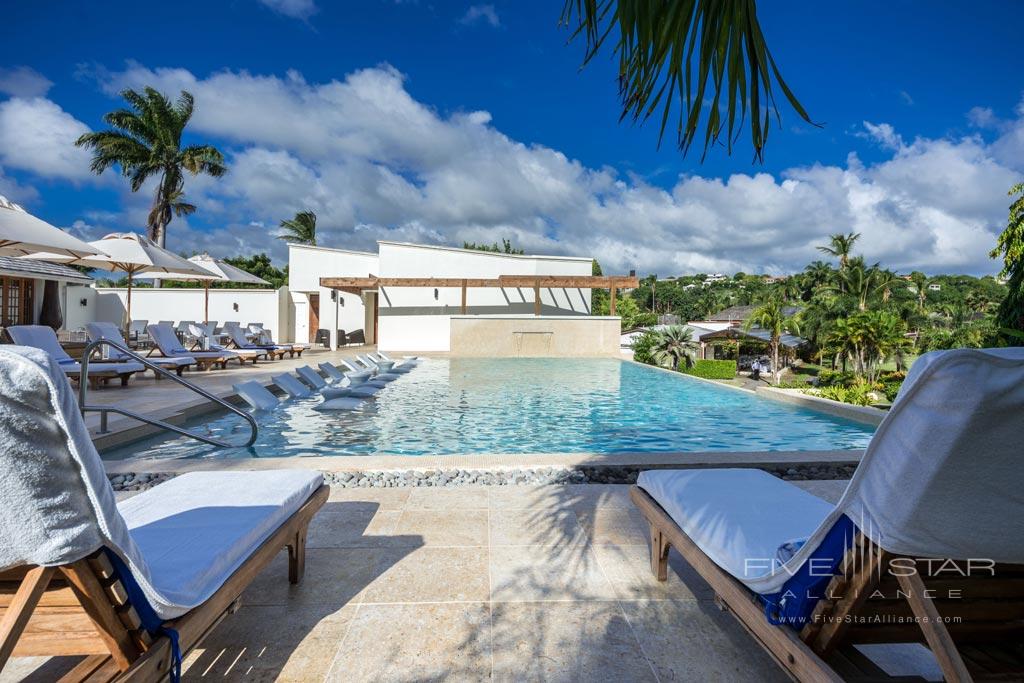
x=447, y=121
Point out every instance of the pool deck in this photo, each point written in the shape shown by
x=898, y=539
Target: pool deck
x=489, y=583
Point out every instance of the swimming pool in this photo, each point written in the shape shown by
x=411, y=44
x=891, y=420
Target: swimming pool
x=514, y=405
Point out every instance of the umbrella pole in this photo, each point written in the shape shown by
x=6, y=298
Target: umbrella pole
x=206, y=304
x=128, y=324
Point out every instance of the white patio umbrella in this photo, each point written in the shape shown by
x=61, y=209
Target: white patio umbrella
x=135, y=255
x=22, y=233
x=223, y=272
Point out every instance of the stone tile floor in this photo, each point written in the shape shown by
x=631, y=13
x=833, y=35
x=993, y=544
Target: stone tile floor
x=506, y=584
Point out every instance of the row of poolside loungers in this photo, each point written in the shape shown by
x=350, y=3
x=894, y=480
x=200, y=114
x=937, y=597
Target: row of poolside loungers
x=174, y=357
x=342, y=388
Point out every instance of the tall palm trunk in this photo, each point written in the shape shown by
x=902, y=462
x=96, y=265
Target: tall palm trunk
x=776, y=372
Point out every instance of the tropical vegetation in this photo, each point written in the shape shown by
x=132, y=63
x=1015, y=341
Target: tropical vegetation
x=706, y=58
x=146, y=143
x=299, y=230
x=674, y=346
x=504, y=248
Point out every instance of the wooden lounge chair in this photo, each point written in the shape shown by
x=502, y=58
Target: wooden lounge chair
x=166, y=342
x=130, y=587
x=109, y=331
x=926, y=545
x=238, y=341
x=45, y=339
x=263, y=336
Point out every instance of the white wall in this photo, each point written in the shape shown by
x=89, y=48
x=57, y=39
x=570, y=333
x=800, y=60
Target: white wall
x=413, y=319
x=306, y=265
x=267, y=306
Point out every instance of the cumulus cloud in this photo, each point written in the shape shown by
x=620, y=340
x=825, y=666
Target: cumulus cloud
x=375, y=163
x=37, y=135
x=481, y=14
x=296, y=9
x=23, y=81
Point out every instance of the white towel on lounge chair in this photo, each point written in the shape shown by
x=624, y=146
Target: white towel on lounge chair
x=45, y=339
x=942, y=477
x=180, y=540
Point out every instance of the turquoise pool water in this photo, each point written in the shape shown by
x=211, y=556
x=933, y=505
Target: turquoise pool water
x=448, y=406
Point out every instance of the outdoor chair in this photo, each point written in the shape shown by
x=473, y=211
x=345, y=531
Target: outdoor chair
x=167, y=343
x=109, y=331
x=388, y=365
x=292, y=386
x=264, y=337
x=44, y=338
x=137, y=331
x=133, y=586
x=256, y=395
x=237, y=337
x=930, y=529
x=355, y=337
x=323, y=337
x=315, y=380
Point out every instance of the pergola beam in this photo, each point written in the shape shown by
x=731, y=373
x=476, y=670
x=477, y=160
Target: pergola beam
x=572, y=281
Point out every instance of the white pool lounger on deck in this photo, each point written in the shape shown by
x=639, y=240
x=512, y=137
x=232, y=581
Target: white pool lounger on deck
x=44, y=338
x=941, y=478
x=151, y=575
x=109, y=332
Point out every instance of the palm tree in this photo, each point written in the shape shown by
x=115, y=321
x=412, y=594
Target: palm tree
x=771, y=316
x=146, y=143
x=674, y=345
x=1010, y=246
x=841, y=246
x=816, y=274
x=862, y=282
x=301, y=229
x=656, y=43
x=920, y=281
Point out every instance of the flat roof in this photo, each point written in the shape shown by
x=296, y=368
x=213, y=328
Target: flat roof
x=442, y=247
x=317, y=247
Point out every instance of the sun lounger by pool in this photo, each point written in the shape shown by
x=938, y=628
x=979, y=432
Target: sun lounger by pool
x=166, y=342
x=109, y=331
x=379, y=375
x=292, y=386
x=131, y=587
x=256, y=395
x=941, y=478
x=45, y=339
x=315, y=380
x=380, y=355
x=240, y=341
x=263, y=336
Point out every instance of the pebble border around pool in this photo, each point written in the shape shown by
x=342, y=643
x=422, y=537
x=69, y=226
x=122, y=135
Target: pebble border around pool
x=449, y=478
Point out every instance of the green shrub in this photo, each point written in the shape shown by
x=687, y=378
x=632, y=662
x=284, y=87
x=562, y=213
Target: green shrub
x=836, y=378
x=891, y=388
x=712, y=369
x=642, y=347
x=856, y=394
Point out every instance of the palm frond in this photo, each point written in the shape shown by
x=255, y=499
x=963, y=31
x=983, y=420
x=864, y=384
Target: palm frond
x=688, y=54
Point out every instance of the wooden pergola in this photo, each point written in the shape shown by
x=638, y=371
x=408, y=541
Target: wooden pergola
x=357, y=285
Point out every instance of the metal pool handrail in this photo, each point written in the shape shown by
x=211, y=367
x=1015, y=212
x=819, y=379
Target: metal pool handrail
x=83, y=384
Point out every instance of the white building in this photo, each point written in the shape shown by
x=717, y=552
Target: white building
x=407, y=317
x=405, y=297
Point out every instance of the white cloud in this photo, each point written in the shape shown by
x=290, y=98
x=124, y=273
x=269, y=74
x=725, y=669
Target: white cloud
x=23, y=81
x=481, y=14
x=296, y=9
x=375, y=163
x=18, y=193
x=37, y=135
x=907, y=99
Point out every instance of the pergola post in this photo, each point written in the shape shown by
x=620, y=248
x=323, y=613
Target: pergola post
x=464, y=288
x=536, y=297
x=611, y=301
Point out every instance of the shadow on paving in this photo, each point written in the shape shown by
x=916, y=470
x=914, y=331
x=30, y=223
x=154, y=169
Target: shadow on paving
x=277, y=622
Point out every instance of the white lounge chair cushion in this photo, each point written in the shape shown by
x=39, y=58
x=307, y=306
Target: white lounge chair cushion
x=358, y=377
x=739, y=518
x=256, y=395
x=99, y=368
x=195, y=530
x=343, y=403
x=60, y=507
x=332, y=372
